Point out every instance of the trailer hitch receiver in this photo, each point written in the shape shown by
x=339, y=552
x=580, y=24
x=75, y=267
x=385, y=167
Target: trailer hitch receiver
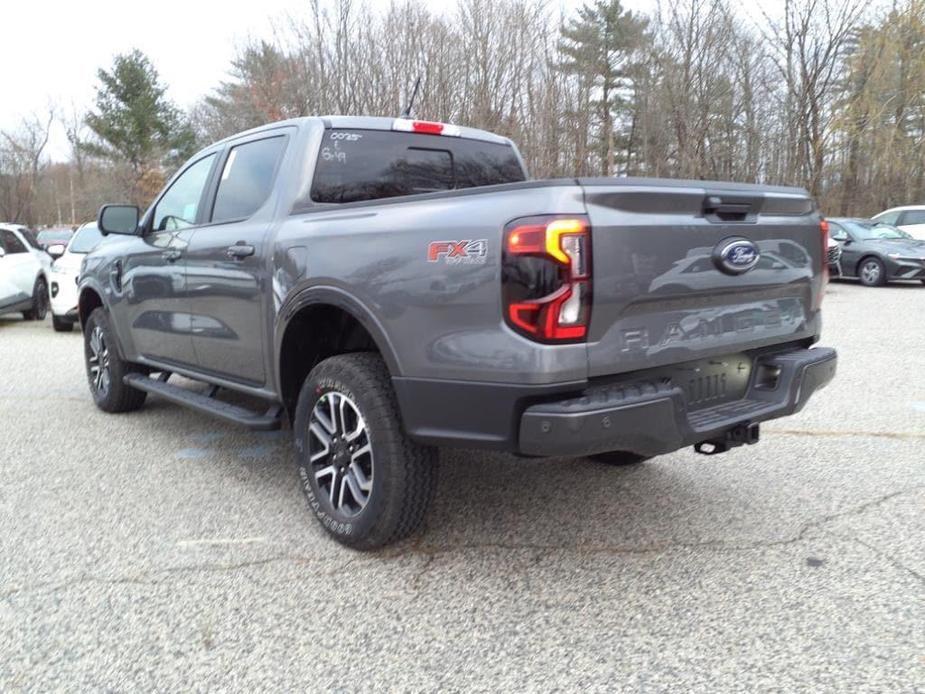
x=739, y=435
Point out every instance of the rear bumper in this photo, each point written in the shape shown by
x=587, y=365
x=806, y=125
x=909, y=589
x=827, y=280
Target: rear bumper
x=651, y=417
x=643, y=413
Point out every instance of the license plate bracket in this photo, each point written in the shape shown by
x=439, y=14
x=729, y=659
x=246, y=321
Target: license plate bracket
x=710, y=382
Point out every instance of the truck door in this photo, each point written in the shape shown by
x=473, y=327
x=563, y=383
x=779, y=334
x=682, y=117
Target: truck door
x=151, y=276
x=228, y=269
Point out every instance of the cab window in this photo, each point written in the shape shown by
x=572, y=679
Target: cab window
x=247, y=179
x=179, y=206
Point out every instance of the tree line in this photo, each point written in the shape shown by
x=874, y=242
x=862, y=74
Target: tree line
x=825, y=94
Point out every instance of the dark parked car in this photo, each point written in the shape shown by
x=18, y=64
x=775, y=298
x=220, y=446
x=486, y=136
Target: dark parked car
x=877, y=253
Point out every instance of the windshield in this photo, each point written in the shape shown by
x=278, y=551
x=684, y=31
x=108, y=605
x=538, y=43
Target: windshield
x=85, y=240
x=870, y=230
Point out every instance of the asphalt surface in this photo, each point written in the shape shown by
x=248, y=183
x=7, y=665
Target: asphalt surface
x=163, y=550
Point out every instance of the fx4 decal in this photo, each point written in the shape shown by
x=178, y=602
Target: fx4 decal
x=457, y=252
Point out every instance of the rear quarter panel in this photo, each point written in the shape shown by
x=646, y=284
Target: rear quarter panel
x=443, y=319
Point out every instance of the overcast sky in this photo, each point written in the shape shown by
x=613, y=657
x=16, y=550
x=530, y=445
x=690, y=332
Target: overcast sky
x=52, y=49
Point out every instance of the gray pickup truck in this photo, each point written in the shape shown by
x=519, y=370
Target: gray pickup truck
x=389, y=286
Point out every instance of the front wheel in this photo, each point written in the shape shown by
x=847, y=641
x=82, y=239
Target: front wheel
x=39, y=301
x=366, y=482
x=106, y=367
x=872, y=273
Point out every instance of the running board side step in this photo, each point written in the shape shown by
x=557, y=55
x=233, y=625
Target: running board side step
x=269, y=421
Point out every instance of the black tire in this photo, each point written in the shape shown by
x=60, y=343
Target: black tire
x=100, y=345
x=39, y=301
x=619, y=458
x=61, y=325
x=401, y=475
x=872, y=272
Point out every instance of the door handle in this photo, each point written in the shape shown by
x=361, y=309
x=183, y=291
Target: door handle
x=239, y=251
x=172, y=254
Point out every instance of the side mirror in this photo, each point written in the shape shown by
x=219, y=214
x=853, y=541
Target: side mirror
x=2, y=252
x=56, y=250
x=118, y=219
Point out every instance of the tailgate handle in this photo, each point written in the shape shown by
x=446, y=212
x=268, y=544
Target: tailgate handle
x=716, y=210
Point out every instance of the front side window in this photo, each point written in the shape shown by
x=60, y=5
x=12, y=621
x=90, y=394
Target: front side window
x=11, y=242
x=837, y=232
x=179, y=206
x=247, y=178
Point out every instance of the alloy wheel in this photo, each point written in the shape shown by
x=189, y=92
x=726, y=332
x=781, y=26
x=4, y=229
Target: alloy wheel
x=340, y=453
x=870, y=273
x=100, y=375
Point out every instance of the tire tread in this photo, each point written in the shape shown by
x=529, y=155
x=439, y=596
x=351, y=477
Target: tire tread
x=405, y=510
x=122, y=398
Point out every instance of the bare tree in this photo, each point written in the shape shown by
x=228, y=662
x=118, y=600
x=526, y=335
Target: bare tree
x=22, y=166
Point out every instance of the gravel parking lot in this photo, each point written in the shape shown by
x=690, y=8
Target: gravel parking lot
x=165, y=550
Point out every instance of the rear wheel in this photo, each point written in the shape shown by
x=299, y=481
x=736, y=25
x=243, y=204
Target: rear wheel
x=872, y=272
x=106, y=368
x=39, y=301
x=619, y=458
x=61, y=325
x=366, y=482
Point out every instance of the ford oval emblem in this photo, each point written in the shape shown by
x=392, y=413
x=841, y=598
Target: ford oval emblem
x=736, y=255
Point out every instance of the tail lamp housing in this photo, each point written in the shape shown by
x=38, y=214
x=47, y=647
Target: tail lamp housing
x=546, y=278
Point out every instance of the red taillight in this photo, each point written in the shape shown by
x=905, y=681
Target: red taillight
x=547, y=277
x=425, y=127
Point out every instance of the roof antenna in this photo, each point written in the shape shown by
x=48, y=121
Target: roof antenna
x=414, y=92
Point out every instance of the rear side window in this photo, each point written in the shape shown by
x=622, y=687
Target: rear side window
x=247, y=178
x=11, y=242
x=355, y=165
x=910, y=217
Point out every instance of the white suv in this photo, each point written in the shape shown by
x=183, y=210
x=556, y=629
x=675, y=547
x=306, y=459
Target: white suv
x=909, y=218
x=64, y=274
x=23, y=274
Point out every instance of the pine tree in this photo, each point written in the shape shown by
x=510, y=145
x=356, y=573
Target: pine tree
x=598, y=45
x=135, y=122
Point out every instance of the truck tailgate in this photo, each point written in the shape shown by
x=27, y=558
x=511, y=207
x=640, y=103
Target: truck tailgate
x=661, y=292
